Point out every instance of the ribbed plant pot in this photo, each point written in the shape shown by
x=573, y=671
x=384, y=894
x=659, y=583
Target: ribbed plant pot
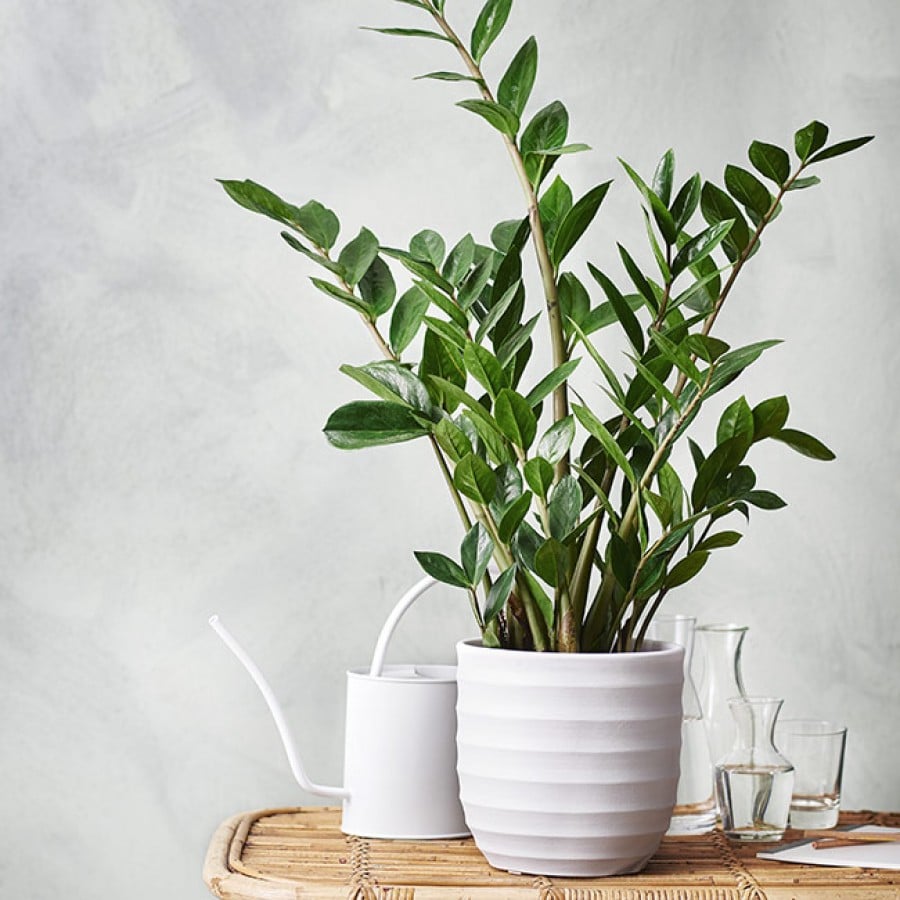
x=568, y=762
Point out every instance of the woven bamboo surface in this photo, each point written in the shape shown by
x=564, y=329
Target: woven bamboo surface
x=287, y=854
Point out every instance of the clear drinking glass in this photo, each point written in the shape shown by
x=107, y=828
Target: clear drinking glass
x=695, y=802
x=754, y=781
x=816, y=749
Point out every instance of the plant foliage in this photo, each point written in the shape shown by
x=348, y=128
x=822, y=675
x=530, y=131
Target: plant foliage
x=578, y=505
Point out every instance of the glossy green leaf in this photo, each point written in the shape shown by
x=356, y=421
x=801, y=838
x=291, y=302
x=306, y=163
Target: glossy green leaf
x=512, y=518
x=377, y=287
x=407, y=318
x=488, y=26
x=449, y=331
x=499, y=593
x=314, y=255
x=516, y=340
x=664, y=176
x=409, y=32
x=686, y=201
x=810, y=138
x=699, y=247
x=737, y=419
x=804, y=443
x=442, y=365
x=459, y=260
x=393, y=382
x=351, y=300
x=424, y=270
x=798, y=184
x=476, y=551
x=716, y=206
x=638, y=279
x=550, y=562
x=442, y=568
x=452, y=439
x=603, y=315
x=371, y=423
x=518, y=80
x=357, y=256
x=551, y=381
x=748, y=190
x=474, y=478
x=705, y=346
x=686, y=569
x=840, y=148
x=574, y=300
x=539, y=475
x=671, y=488
x=623, y=312
x=474, y=283
x=576, y=222
x=500, y=117
x=553, y=207
x=318, y=223
x=497, y=311
x=660, y=211
x=484, y=368
x=515, y=418
x=448, y=76
x=769, y=417
x=765, y=500
x=564, y=507
x=599, y=431
x=428, y=246
x=557, y=440
x=719, y=540
x=771, y=161
x=731, y=364
x=503, y=234
x=546, y=130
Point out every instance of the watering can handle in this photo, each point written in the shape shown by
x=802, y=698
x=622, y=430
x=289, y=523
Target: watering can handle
x=387, y=630
x=277, y=714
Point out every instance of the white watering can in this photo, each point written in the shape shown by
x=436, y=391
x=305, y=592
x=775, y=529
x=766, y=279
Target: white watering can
x=399, y=744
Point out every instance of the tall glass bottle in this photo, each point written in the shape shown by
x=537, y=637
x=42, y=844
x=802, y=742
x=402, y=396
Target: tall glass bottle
x=719, y=666
x=695, y=804
x=754, y=781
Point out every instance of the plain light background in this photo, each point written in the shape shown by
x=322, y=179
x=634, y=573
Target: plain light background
x=165, y=371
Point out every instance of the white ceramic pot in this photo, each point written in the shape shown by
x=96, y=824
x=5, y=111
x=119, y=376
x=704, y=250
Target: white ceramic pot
x=568, y=762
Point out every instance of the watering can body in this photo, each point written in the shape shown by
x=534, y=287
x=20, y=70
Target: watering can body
x=399, y=743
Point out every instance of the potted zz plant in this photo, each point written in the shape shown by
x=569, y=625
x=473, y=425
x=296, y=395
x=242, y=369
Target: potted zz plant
x=579, y=515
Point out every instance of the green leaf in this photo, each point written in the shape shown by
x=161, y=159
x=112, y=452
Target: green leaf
x=318, y=223
x=409, y=32
x=731, y=364
x=671, y=488
x=372, y=423
x=488, y=26
x=351, y=300
x=557, y=440
x=407, y=318
x=716, y=467
x=798, y=184
x=564, y=507
x=442, y=568
x=475, y=552
x=599, y=431
x=550, y=382
x=500, y=117
x=603, y=315
x=448, y=76
x=686, y=201
x=840, y=148
x=705, y=346
x=804, y=444
x=748, y=190
x=504, y=233
x=626, y=317
x=484, y=368
x=512, y=518
x=515, y=341
x=550, y=561
x=427, y=246
x=474, y=478
x=499, y=593
x=323, y=261
x=393, y=382
x=449, y=331
x=736, y=420
x=357, y=256
x=378, y=288
x=769, y=417
x=658, y=254
x=810, y=138
x=515, y=86
x=515, y=418
x=765, y=500
x=717, y=207
x=686, y=569
x=716, y=541
x=699, y=247
x=452, y=439
x=638, y=279
x=771, y=161
x=660, y=211
x=547, y=130
x=576, y=222
x=424, y=270
x=459, y=260
x=553, y=206
x=539, y=475
x=663, y=177
x=442, y=364
x=574, y=301
x=474, y=283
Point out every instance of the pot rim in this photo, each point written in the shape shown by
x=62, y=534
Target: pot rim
x=649, y=647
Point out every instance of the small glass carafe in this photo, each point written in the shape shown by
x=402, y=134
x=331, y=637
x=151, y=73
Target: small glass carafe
x=695, y=803
x=754, y=781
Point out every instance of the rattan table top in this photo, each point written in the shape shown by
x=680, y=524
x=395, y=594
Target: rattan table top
x=286, y=854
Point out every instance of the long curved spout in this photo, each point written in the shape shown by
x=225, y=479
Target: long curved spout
x=275, y=708
x=387, y=630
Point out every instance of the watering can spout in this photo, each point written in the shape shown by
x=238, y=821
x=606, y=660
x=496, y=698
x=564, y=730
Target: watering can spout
x=277, y=714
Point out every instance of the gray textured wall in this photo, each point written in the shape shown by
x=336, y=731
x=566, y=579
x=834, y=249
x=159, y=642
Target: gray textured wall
x=165, y=371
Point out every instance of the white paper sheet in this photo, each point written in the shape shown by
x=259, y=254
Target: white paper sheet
x=869, y=856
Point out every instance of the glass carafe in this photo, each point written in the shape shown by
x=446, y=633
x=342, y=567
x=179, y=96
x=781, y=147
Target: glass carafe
x=719, y=666
x=754, y=781
x=695, y=804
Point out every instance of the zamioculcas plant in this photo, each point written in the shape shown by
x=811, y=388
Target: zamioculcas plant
x=575, y=498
